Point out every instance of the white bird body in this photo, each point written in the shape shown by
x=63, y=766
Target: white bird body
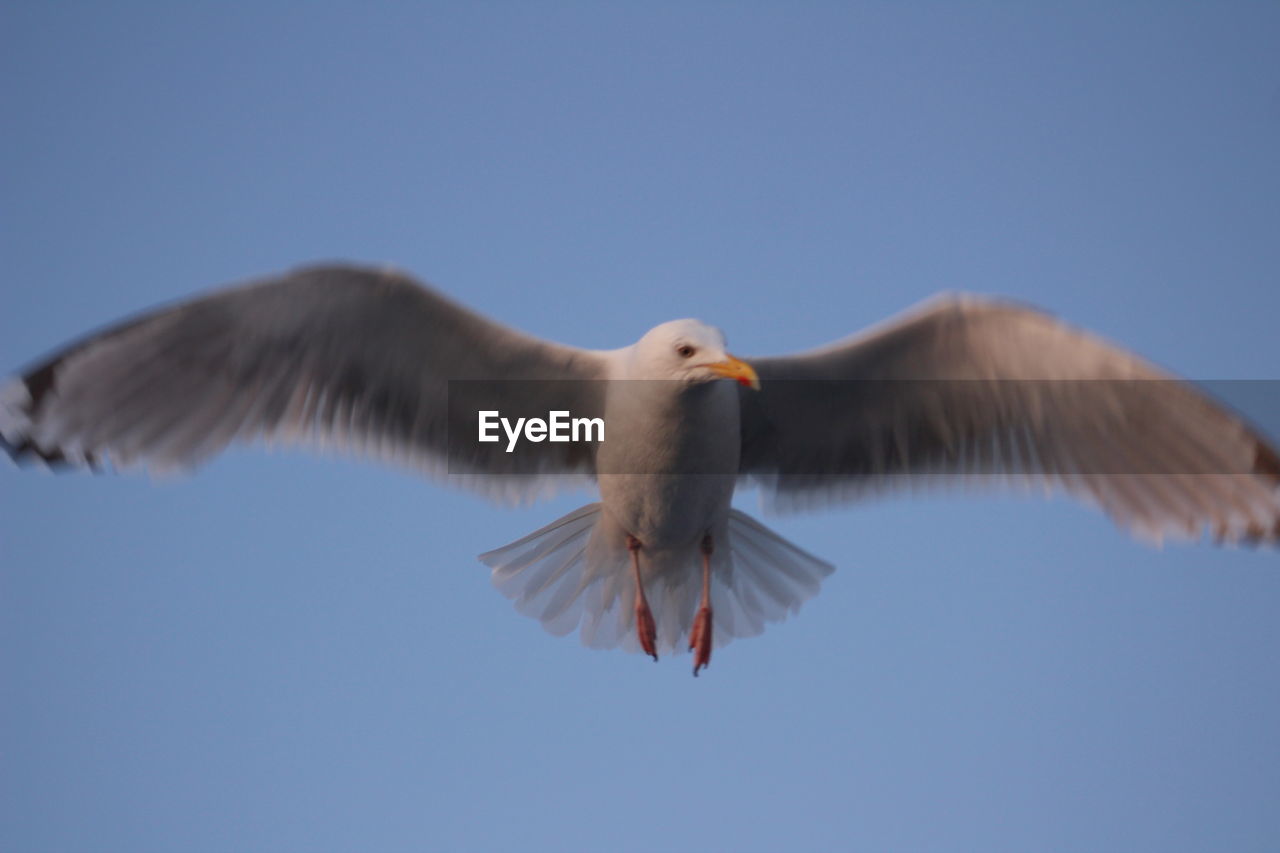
x=666, y=475
x=690, y=431
x=372, y=361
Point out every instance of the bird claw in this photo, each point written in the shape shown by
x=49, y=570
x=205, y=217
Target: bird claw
x=700, y=640
x=646, y=630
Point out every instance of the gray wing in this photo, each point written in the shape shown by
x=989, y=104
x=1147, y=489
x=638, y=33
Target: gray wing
x=970, y=391
x=342, y=357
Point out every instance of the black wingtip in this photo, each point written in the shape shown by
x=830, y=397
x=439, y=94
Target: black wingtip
x=1266, y=463
x=26, y=452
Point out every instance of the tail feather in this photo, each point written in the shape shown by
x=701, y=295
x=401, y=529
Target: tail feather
x=570, y=575
x=559, y=613
x=762, y=550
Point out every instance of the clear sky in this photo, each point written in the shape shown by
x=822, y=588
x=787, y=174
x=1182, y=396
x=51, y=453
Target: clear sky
x=286, y=652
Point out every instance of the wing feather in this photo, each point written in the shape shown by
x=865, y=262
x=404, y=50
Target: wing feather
x=966, y=386
x=339, y=357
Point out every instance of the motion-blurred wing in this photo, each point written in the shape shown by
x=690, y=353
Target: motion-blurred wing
x=992, y=391
x=335, y=356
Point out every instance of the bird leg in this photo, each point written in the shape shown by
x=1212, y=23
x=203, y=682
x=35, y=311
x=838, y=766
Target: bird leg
x=646, y=630
x=700, y=636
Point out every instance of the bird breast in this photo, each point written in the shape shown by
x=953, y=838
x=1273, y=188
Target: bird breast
x=670, y=459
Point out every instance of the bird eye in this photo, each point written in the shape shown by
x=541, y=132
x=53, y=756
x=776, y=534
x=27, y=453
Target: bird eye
x=685, y=350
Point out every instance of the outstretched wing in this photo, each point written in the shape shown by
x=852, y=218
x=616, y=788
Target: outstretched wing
x=970, y=390
x=342, y=357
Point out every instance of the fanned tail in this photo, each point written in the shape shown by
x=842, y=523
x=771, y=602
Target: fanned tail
x=543, y=572
x=574, y=573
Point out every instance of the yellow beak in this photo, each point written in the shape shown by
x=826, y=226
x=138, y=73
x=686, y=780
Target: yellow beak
x=737, y=370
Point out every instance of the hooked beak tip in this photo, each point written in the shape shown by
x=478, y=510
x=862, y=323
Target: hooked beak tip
x=737, y=370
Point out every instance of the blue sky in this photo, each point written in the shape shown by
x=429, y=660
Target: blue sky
x=285, y=652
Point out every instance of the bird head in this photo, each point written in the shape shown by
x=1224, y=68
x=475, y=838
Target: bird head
x=691, y=351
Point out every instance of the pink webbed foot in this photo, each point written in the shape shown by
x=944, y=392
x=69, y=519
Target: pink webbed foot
x=646, y=630
x=700, y=640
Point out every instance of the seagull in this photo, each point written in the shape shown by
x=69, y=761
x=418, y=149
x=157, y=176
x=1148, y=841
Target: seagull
x=959, y=390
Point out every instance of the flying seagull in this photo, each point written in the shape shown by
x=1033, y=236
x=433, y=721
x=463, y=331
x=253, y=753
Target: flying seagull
x=371, y=361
